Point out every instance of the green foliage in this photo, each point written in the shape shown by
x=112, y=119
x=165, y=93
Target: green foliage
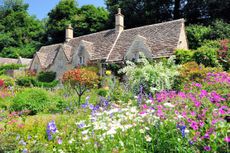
x=197, y=34
x=6, y=67
x=8, y=81
x=102, y=92
x=224, y=54
x=207, y=54
x=90, y=19
x=46, y=76
x=157, y=77
x=33, y=99
x=52, y=84
x=26, y=81
x=183, y=56
x=59, y=17
x=192, y=72
x=220, y=30
x=20, y=33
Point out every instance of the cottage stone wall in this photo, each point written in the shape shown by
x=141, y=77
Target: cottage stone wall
x=80, y=52
x=183, y=43
x=60, y=65
x=35, y=65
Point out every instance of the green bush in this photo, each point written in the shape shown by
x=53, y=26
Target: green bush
x=207, y=54
x=102, y=92
x=220, y=30
x=46, y=84
x=33, y=99
x=46, y=76
x=26, y=81
x=8, y=81
x=183, y=56
x=197, y=34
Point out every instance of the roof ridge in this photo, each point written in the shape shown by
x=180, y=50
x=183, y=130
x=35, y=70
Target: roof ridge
x=114, y=44
x=155, y=24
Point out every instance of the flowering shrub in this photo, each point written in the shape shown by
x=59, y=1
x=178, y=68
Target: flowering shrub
x=224, y=54
x=192, y=72
x=157, y=77
x=80, y=80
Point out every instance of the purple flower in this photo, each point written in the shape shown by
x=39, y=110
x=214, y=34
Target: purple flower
x=24, y=150
x=22, y=142
x=203, y=93
x=51, y=129
x=207, y=148
x=59, y=141
x=81, y=125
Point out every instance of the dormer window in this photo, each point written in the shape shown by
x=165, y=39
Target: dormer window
x=82, y=60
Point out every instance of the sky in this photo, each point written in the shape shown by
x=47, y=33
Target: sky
x=40, y=8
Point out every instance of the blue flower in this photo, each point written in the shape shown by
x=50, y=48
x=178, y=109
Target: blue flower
x=182, y=129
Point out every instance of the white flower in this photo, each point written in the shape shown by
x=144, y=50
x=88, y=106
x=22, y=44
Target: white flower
x=179, y=116
x=142, y=131
x=148, y=138
x=84, y=132
x=169, y=105
x=112, y=131
x=85, y=138
x=146, y=128
x=121, y=143
x=71, y=141
x=186, y=131
x=148, y=101
x=61, y=151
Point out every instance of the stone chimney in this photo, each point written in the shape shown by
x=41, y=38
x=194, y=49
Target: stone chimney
x=68, y=33
x=119, y=21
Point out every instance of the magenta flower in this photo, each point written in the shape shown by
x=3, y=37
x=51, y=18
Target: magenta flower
x=215, y=97
x=227, y=139
x=207, y=148
x=194, y=125
x=203, y=93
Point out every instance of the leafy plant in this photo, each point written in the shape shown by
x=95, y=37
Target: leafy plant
x=32, y=99
x=197, y=34
x=8, y=81
x=183, y=56
x=26, y=81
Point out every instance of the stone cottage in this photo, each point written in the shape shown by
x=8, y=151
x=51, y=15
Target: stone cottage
x=114, y=45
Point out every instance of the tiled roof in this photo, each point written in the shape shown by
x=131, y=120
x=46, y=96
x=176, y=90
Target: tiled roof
x=110, y=45
x=161, y=38
x=102, y=43
x=8, y=61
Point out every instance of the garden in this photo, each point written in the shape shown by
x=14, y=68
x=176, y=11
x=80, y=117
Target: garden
x=179, y=104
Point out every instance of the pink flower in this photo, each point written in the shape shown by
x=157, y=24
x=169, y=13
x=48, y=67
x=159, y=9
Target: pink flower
x=193, y=113
x=145, y=106
x=201, y=124
x=203, y=93
x=227, y=139
x=197, y=103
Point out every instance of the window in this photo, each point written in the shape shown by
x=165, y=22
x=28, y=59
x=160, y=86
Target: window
x=82, y=60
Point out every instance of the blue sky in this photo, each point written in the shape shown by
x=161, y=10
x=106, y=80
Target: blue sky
x=40, y=8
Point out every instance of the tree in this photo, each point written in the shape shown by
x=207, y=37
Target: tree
x=20, y=33
x=90, y=19
x=85, y=20
x=64, y=13
x=140, y=12
x=80, y=80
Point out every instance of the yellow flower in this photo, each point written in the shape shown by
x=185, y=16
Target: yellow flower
x=106, y=88
x=108, y=72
